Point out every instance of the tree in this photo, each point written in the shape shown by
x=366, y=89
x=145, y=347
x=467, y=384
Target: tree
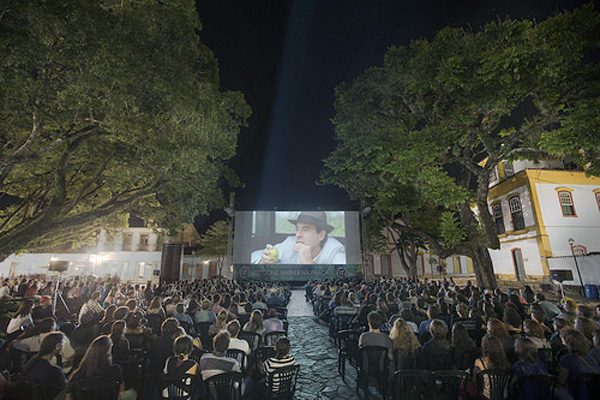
x=108, y=108
x=439, y=115
x=214, y=244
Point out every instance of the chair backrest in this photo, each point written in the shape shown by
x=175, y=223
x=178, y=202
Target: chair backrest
x=133, y=363
x=154, y=322
x=197, y=354
x=238, y=355
x=252, y=338
x=411, y=384
x=493, y=384
x=547, y=358
x=535, y=387
x=342, y=322
x=349, y=344
x=271, y=338
x=586, y=387
x=96, y=390
x=447, y=384
x=282, y=382
x=138, y=341
x=177, y=386
x=263, y=353
x=189, y=328
x=404, y=362
x=225, y=386
x=373, y=360
x=202, y=332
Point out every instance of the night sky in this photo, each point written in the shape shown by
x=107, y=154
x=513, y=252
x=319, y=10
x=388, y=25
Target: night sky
x=288, y=56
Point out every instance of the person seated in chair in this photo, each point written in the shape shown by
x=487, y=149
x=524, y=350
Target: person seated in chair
x=43, y=309
x=49, y=378
x=281, y=360
x=32, y=343
x=272, y=323
x=374, y=337
x=436, y=354
x=180, y=364
x=234, y=343
x=216, y=362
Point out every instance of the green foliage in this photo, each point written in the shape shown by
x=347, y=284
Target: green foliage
x=429, y=116
x=214, y=241
x=108, y=108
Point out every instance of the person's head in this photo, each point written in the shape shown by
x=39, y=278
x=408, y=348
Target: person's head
x=121, y=312
x=460, y=337
x=183, y=346
x=463, y=310
x=496, y=328
x=433, y=312
x=45, y=301
x=205, y=305
x=233, y=328
x=586, y=326
x=570, y=306
x=492, y=349
x=575, y=341
x=282, y=347
x=511, y=317
x=221, y=342
x=403, y=338
x=135, y=320
x=24, y=308
x=537, y=313
x=374, y=319
x=180, y=308
x=526, y=350
x=95, y=296
x=532, y=328
x=155, y=303
x=256, y=320
x=585, y=311
x=117, y=330
x=438, y=329
x=561, y=323
x=312, y=229
x=52, y=344
x=168, y=327
x=272, y=313
x=97, y=356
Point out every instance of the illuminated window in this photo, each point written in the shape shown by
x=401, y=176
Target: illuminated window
x=516, y=213
x=493, y=175
x=498, y=218
x=566, y=203
x=508, y=169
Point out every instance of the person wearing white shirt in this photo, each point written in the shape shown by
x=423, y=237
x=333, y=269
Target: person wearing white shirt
x=234, y=343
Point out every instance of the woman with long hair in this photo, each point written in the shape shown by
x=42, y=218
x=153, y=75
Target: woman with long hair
x=463, y=347
x=96, y=365
x=108, y=319
x=576, y=363
x=493, y=358
x=529, y=362
x=255, y=324
x=120, y=342
x=405, y=345
x=21, y=319
x=220, y=324
x=156, y=307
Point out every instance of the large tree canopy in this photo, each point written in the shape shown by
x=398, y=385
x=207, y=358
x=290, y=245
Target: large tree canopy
x=434, y=111
x=107, y=108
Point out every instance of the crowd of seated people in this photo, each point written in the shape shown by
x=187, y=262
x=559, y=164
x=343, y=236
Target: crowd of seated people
x=438, y=325
x=127, y=341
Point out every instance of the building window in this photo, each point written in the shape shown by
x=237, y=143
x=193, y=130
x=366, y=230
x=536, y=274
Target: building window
x=598, y=199
x=386, y=261
x=516, y=213
x=566, y=204
x=144, y=239
x=498, y=218
x=127, y=241
x=508, y=169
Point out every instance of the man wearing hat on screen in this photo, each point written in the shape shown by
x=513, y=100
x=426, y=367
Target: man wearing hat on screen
x=311, y=245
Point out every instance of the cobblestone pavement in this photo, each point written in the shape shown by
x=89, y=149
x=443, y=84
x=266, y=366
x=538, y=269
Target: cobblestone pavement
x=317, y=356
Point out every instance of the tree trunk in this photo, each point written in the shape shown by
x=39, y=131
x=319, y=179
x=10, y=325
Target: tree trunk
x=484, y=269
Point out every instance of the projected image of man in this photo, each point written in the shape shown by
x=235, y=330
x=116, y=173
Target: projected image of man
x=310, y=245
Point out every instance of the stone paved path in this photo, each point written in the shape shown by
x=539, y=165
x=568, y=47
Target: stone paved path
x=317, y=356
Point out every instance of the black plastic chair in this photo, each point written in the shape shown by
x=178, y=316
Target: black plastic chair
x=372, y=362
x=202, y=332
x=96, y=390
x=225, y=386
x=348, y=350
x=155, y=322
x=134, y=363
x=239, y=356
x=138, y=341
x=271, y=338
x=264, y=353
x=446, y=384
x=586, y=387
x=177, y=386
x=282, y=382
x=411, y=384
x=498, y=384
x=401, y=362
x=254, y=339
x=197, y=354
x=189, y=328
x=342, y=323
x=547, y=358
x=535, y=387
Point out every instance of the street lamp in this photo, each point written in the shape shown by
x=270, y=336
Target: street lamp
x=571, y=243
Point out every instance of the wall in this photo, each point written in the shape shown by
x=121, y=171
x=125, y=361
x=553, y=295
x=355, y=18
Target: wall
x=588, y=265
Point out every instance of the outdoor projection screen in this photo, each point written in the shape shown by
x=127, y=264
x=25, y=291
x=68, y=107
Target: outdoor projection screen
x=331, y=236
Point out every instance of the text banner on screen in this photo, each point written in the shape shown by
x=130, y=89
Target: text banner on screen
x=296, y=272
